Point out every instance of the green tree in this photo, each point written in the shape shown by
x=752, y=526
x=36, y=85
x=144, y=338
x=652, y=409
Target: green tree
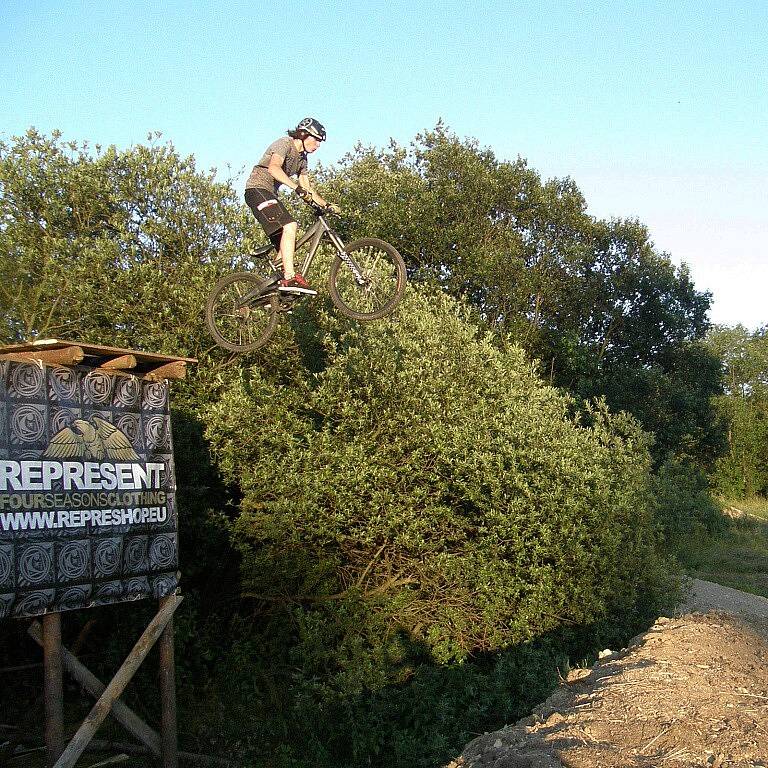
x=406, y=494
x=111, y=246
x=471, y=511
x=593, y=300
x=743, y=406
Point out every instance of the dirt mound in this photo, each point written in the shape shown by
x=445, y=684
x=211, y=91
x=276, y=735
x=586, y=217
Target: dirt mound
x=692, y=691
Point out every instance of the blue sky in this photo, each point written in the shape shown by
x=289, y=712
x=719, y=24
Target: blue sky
x=658, y=110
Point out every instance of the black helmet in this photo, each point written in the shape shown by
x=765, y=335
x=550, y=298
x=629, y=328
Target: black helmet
x=312, y=127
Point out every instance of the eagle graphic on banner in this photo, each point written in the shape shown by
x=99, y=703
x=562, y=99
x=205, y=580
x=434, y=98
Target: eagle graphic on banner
x=93, y=439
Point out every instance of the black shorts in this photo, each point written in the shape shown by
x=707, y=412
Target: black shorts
x=269, y=212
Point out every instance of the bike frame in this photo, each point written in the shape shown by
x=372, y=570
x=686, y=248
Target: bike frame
x=314, y=236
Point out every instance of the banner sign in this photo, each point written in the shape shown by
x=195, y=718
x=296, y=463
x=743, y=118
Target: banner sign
x=87, y=489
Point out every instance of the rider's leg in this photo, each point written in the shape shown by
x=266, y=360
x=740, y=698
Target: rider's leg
x=277, y=222
x=281, y=228
x=288, y=248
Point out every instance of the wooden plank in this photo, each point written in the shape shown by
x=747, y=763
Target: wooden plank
x=98, y=350
x=53, y=687
x=118, y=684
x=122, y=713
x=122, y=363
x=174, y=370
x=63, y=356
x=110, y=761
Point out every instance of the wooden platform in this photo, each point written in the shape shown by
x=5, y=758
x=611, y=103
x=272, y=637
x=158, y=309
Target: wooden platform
x=60, y=352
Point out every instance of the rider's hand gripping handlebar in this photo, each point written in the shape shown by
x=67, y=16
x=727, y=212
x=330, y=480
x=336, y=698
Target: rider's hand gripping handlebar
x=304, y=194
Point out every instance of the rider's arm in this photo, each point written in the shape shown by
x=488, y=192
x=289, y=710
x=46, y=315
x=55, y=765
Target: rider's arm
x=305, y=183
x=275, y=169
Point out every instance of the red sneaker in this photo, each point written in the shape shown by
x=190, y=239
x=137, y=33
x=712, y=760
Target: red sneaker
x=297, y=284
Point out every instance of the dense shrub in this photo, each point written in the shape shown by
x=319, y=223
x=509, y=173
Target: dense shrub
x=743, y=471
x=265, y=704
x=419, y=502
x=427, y=481
x=684, y=508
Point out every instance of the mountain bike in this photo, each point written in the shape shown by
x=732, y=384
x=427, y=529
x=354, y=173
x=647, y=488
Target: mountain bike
x=366, y=282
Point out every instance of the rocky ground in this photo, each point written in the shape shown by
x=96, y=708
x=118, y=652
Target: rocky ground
x=692, y=691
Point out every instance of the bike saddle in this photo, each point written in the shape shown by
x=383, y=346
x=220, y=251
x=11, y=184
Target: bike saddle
x=264, y=250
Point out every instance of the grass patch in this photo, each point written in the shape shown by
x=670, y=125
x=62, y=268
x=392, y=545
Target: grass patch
x=756, y=506
x=738, y=557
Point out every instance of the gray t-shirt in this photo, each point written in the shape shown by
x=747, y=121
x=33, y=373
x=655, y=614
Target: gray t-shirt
x=295, y=164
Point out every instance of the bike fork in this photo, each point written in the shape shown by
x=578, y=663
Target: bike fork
x=346, y=258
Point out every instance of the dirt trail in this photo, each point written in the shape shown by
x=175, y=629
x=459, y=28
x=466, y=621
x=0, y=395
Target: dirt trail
x=706, y=596
x=692, y=691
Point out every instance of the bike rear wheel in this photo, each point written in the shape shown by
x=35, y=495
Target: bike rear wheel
x=379, y=287
x=237, y=317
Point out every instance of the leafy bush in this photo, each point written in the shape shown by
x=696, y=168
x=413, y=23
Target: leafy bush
x=420, y=502
x=261, y=702
x=684, y=509
x=427, y=481
x=743, y=406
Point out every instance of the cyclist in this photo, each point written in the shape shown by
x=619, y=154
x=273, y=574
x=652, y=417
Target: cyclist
x=283, y=161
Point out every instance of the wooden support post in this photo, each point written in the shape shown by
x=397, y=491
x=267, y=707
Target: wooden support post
x=53, y=687
x=115, y=688
x=168, y=694
x=123, y=714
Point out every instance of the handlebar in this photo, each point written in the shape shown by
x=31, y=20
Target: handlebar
x=306, y=196
x=320, y=210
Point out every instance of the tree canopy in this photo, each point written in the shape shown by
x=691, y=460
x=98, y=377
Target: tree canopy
x=743, y=407
x=122, y=246
x=603, y=310
x=112, y=246
x=396, y=517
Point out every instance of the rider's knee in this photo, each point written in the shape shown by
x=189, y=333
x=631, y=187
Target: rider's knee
x=291, y=228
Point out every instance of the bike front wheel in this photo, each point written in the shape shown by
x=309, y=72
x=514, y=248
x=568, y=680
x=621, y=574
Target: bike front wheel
x=237, y=316
x=379, y=286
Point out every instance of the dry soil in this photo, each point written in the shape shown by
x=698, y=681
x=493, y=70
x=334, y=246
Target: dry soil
x=692, y=691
